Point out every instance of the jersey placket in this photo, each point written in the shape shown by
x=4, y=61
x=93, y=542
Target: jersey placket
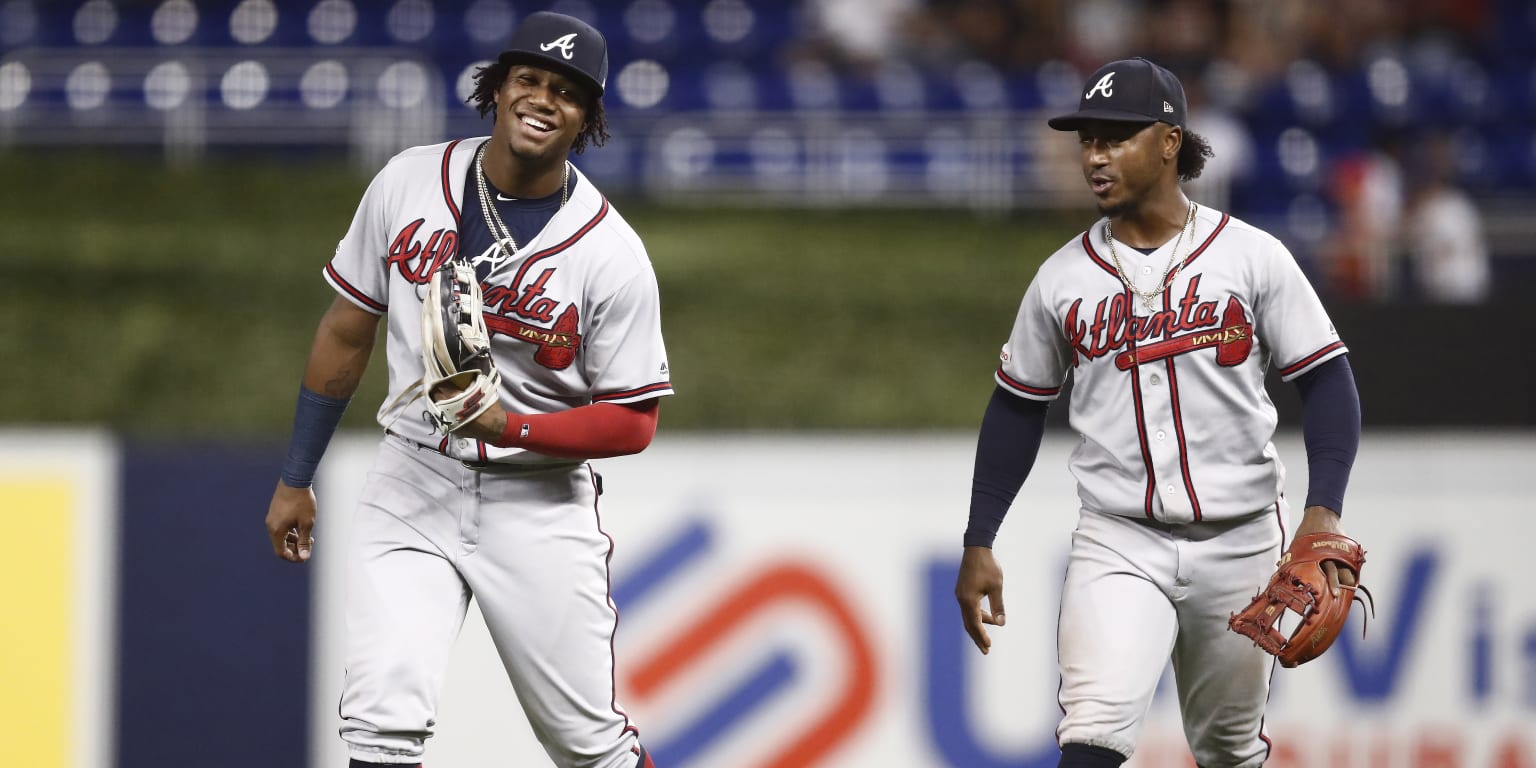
x=1156, y=388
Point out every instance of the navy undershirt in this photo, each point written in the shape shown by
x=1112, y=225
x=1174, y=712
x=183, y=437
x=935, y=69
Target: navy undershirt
x=1013, y=427
x=525, y=217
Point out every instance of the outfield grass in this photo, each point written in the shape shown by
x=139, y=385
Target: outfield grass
x=168, y=301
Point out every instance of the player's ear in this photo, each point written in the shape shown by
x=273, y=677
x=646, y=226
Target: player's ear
x=1173, y=138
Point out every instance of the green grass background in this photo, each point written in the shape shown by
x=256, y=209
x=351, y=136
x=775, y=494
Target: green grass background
x=182, y=301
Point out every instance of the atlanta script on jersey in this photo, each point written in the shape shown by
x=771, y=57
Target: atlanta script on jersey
x=1165, y=398
x=574, y=316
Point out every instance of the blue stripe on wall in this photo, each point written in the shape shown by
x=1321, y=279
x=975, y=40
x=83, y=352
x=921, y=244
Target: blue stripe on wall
x=214, y=630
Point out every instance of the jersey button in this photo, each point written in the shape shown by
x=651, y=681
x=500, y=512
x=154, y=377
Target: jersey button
x=1169, y=489
x=1161, y=434
x=1146, y=270
x=1156, y=379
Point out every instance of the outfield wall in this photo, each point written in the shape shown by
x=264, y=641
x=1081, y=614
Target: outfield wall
x=786, y=601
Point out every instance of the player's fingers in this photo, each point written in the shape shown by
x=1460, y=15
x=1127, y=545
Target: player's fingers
x=1348, y=577
x=995, y=600
x=287, y=551
x=280, y=541
x=971, y=615
x=1332, y=571
x=305, y=538
x=979, y=634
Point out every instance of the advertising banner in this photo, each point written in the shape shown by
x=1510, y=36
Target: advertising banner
x=788, y=601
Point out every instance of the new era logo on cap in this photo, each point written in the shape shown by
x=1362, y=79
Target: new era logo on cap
x=564, y=43
x=1130, y=91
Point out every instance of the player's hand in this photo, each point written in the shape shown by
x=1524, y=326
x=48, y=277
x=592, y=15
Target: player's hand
x=291, y=522
x=980, y=576
x=1324, y=520
x=487, y=426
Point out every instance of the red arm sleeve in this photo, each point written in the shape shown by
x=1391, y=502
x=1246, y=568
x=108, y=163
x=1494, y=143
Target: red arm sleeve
x=591, y=431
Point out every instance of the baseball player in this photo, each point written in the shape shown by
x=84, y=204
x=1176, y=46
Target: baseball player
x=503, y=511
x=1167, y=314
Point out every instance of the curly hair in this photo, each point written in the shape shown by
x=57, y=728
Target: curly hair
x=1192, y=155
x=488, y=80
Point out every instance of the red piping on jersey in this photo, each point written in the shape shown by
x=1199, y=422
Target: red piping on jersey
x=1178, y=426
x=1280, y=521
x=613, y=681
x=1092, y=254
x=453, y=207
x=1269, y=746
x=1309, y=359
x=660, y=386
x=352, y=290
x=554, y=249
x=1195, y=254
x=1141, y=427
x=1022, y=387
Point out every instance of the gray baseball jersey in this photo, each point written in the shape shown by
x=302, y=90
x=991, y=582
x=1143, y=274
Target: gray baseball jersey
x=1169, y=400
x=574, y=316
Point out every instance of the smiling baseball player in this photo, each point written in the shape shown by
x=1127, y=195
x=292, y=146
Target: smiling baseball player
x=1167, y=314
x=499, y=506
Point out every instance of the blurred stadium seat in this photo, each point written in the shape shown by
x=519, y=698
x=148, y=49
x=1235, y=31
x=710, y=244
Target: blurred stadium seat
x=714, y=100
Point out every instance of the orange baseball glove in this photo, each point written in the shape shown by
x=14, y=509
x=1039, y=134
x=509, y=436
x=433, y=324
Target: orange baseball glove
x=1301, y=585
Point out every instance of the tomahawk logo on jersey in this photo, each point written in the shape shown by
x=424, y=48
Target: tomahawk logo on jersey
x=1114, y=326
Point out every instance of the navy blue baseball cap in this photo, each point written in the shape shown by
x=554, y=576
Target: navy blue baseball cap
x=561, y=43
x=1128, y=91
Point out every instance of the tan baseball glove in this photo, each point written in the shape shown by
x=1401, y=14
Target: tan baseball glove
x=456, y=348
x=1301, y=585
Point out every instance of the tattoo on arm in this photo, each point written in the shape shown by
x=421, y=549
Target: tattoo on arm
x=342, y=385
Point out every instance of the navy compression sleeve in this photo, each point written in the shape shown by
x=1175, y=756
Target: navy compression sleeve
x=315, y=417
x=1011, y=432
x=1330, y=427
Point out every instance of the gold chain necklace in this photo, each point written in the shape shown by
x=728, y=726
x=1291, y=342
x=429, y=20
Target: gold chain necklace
x=500, y=232
x=1169, y=272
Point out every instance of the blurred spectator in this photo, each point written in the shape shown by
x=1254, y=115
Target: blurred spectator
x=1012, y=35
x=1182, y=34
x=1229, y=138
x=859, y=32
x=1367, y=188
x=1444, y=234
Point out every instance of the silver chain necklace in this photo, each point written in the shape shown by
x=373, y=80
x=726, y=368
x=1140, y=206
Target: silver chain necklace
x=500, y=232
x=1169, y=272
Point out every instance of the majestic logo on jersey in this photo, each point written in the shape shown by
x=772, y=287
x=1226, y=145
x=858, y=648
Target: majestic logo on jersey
x=1104, y=86
x=1190, y=325
x=566, y=44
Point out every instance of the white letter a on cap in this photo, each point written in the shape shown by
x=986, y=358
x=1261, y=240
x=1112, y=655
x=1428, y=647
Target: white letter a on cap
x=566, y=44
x=1103, y=86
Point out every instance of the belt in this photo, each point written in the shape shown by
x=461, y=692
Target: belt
x=493, y=467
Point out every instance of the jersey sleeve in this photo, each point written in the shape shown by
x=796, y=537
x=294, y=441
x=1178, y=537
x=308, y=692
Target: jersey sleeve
x=1290, y=318
x=625, y=357
x=358, y=270
x=1034, y=361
